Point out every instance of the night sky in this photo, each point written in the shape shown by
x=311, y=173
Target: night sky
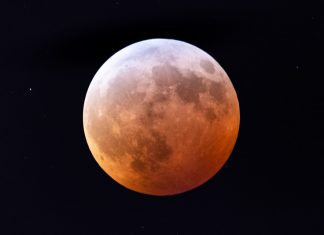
x=273, y=181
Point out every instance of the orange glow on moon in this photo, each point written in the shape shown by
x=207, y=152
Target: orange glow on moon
x=161, y=117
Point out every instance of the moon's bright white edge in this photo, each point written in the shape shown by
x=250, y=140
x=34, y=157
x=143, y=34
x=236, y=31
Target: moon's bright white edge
x=155, y=52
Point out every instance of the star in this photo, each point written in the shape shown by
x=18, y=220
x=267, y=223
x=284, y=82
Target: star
x=30, y=89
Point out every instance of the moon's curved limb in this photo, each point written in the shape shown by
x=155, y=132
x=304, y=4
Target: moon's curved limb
x=161, y=117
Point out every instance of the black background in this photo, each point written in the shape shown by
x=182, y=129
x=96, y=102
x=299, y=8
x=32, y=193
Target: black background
x=273, y=53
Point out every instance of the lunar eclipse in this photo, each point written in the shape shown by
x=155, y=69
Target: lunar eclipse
x=161, y=117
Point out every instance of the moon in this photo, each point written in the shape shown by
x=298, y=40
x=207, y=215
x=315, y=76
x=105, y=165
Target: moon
x=161, y=117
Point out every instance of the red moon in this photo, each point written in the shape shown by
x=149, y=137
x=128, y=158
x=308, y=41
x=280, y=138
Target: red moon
x=161, y=117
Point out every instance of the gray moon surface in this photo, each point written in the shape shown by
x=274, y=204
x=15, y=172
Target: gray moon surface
x=161, y=117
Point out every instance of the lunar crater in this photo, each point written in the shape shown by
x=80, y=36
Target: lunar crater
x=207, y=66
x=210, y=114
